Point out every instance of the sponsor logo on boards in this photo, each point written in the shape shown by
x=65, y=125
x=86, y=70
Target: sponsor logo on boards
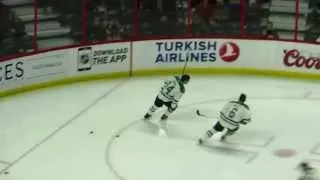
x=182, y=51
x=88, y=58
x=200, y=51
x=11, y=71
x=294, y=58
x=229, y=52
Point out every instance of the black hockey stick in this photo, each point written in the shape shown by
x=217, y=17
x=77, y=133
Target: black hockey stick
x=203, y=115
x=184, y=67
x=200, y=114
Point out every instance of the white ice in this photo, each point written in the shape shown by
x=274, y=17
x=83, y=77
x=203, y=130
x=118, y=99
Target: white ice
x=44, y=135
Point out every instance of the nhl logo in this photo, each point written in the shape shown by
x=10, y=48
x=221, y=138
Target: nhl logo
x=84, y=59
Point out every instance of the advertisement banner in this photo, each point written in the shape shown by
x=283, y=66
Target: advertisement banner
x=104, y=58
x=11, y=73
x=197, y=53
x=298, y=57
x=159, y=54
x=35, y=69
x=48, y=66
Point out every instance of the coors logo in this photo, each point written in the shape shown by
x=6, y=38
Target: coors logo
x=295, y=58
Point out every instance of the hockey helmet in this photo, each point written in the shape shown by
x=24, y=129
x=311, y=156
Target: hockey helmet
x=304, y=166
x=242, y=98
x=185, y=78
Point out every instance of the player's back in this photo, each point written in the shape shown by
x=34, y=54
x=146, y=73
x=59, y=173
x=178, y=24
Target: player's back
x=172, y=89
x=234, y=112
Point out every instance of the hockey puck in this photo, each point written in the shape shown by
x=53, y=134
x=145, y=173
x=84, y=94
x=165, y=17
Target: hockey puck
x=117, y=135
x=6, y=172
x=91, y=132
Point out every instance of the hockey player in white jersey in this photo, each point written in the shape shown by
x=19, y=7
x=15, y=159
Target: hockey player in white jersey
x=230, y=117
x=307, y=172
x=169, y=95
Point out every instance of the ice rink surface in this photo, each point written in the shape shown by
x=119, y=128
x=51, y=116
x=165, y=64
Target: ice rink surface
x=45, y=134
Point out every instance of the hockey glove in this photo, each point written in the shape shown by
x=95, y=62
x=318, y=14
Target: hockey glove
x=245, y=121
x=173, y=106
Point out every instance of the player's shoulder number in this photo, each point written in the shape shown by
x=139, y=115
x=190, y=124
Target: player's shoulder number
x=169, y=86
x=233, y=111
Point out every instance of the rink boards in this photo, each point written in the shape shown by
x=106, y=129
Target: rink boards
x=160, y=57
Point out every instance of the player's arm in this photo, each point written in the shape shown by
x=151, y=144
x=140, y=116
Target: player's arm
x=246, y=117
x=168, y=86
x=177, y=95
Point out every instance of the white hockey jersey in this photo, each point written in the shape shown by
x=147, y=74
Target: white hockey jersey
x=234, y=113
x=310, y=175
x=172, y=90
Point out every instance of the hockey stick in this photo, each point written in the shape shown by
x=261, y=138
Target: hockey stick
x=184, y=67
x=200, y=114
x=203, y=115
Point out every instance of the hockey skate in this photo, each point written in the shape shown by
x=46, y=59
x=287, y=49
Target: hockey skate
x=147, y=117
x=164, y=117
x=223, y=138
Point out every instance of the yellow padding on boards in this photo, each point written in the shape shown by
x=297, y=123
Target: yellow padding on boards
x=167, y=71
x=61, y=82
x=230, y=71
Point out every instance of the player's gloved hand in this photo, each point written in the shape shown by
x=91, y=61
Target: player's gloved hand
x=245, y=121
x=173, y=106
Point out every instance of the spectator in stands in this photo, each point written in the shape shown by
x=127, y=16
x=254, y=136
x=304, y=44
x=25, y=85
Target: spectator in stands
x=314, y=15
x=148, y=5
x=18, y=28
x=169, y=9
x=317, y=11
x=318, y=8
x=14, y=38
x=46, y=6
x=110, y=29
x=97, y=31
x=203, y=20
x=114, y=29
x=204, y=8
x=4, y=20
x=313, y=21
x=270, y=32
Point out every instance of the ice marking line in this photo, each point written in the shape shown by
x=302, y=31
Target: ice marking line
x=4, y=162
x=265, y=144
x=253, y=157
x=270, y=140
x=253, y=154
x=108, y=148
x=125, y=128
x=64, y=125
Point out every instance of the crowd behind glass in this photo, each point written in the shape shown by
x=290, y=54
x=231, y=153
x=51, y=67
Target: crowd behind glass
x=72, y=22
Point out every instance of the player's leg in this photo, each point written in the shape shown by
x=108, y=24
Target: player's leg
x=216, y=128
x=229, y=132
x=171, y=106
x=157, y=104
